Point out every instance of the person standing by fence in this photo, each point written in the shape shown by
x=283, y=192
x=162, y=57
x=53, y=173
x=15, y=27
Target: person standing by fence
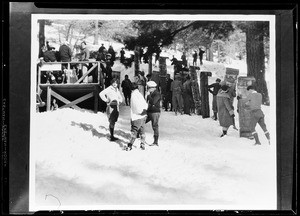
x=112, y=96
x=215, y=89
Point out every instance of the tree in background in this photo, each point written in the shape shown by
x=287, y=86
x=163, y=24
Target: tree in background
x=257, y=33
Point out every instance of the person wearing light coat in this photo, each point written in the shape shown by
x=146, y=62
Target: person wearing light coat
x=225, y=111
x=138, y=114
x=112, y=96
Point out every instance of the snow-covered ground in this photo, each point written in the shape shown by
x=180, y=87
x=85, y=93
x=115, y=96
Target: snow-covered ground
x=75, y=166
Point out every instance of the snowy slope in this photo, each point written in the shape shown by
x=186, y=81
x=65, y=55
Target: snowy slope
x=77, y=167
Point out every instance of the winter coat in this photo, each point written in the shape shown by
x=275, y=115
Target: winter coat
x=85, y=54
x=224, y=109
x=254, y=101
x=49, y=56
x=65, y=53
x=138, y=105
x=216, y=87
x=109, y=94
x=126, y=85
x=153, y=100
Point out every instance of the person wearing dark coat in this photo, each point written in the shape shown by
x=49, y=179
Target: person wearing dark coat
x=100, y=50
x=168, y=95
x=112, y=52
x=201, y=52
x=48, y=55
x=253, y=103
x=127, y=87
x=184, y=60
x=195, y=56
x=65, y=52
x=122, y=55
x=214, y=89
x=225, y=110
x=153, y=111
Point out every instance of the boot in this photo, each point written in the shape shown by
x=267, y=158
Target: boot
x=257, y=142
x=224, y=133
x=112, y=138
x=129, y=145
x=142, y=146
x=215, y=116
x=267, y=134
x=155, y=143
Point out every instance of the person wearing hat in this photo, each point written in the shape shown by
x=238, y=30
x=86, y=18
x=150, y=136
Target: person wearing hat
x=214, y=89
x=225, y=111
x=253, y=103
x=153, y=111
x=177, y=89
x=138, y=115
x=195, y=56
x=112, y=96
x=232, y=95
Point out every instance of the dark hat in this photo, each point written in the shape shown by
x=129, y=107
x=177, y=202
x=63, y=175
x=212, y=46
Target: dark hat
x=224, y=87
x=250, y=87
x=113, y=103
x=218, y=80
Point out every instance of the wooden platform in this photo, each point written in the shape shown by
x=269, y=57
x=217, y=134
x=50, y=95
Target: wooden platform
x=71, y=94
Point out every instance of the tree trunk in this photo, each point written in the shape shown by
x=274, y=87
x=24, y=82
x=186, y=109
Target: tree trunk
x=209, y=53
x=136, y=60
x=41, y=36
x=96, y=33
x=256, y=58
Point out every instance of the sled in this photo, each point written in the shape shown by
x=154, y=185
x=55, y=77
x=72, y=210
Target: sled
x=244, y=114
x=195, y=90
x=204, y=94
x=231, y=75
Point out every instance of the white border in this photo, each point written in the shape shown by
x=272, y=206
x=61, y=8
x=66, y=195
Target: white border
x=210, y=17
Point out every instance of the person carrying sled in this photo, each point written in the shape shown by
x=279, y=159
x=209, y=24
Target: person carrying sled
x=112, y=96
x=138, y=114
x=214, y=89
x=253, y=103
x=225, y=111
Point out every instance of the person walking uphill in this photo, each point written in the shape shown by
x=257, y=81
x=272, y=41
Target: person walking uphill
x=215, y=89
x=225, y=110
x=126, y=87
x=112, y=96
x=153, y=99
x=253, y=103
x=138, y=114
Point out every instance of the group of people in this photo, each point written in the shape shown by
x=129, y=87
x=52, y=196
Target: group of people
x=142, y=110
x=222, y=105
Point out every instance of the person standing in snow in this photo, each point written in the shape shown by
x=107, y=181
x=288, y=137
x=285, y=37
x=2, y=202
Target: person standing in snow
x=201, y=52
x=153, y=99
x=253, y=103
x=112, y=96
x=138, y=114
x=177, y=89
x=195, y=56
x=168, y=95
x=232, y=95
x=226, y=113
x=122, y=54
x=214, y=89
x=126, y=87
x=187, y=95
